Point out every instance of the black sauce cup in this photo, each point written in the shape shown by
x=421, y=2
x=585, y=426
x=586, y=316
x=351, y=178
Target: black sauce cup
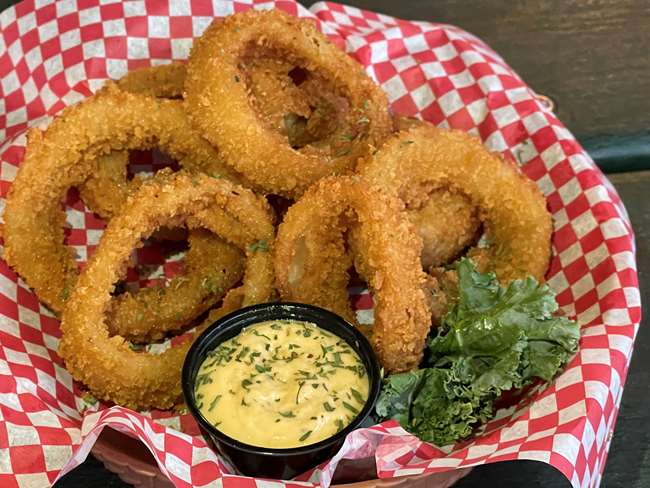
x=269, y=462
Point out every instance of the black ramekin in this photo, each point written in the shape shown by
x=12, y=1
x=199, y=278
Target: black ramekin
x=266, y=462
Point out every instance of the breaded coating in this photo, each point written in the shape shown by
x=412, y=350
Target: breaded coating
x=107, y=365
x=212, y=267
x=312, y=261
x=446, y=219
x=513, y=211
x=218, y=100
x=106, y=189
x=162, y=81
x=64, y=156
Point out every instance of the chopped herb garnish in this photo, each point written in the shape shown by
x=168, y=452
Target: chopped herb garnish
x=203, y=379
x=288, y=414
x=260, y=245
x=259, y=334
x=214, y=402
x=246, y=383
x=358, y=396
x=89, y=398
x=301, y=384
x=305, y=435
x=262, y=369
x=180, y=281
x=210, y=285
x=337, y=359
x=350, y=408
x=328, y=407
x=339, y=425
x=242, y=354
x=65, y=293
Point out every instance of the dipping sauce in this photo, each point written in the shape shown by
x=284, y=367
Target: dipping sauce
x=281, y=384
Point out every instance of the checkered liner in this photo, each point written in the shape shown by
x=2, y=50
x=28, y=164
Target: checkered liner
x=55, y=54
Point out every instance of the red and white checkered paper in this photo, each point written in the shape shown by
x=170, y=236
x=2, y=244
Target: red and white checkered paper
x=55, y=54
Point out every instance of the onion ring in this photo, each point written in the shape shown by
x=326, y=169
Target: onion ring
x=218, y=100
x=106, y=365
x=163, y=81
x=312, y=263
x=106, y=190
x=64, y=156
x=446, y=220
x=212, y=267
x=513, y=210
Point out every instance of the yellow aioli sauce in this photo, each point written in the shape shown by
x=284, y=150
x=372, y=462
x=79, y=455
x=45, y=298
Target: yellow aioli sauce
x=281, y=384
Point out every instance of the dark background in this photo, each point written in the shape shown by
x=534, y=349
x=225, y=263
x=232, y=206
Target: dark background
x=592, y=58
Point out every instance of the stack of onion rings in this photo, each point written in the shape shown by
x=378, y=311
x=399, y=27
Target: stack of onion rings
x=286, y=114
x=112, y=119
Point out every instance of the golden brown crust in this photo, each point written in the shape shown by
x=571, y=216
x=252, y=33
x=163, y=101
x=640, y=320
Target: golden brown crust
x=107, y=365
x=218, y=100
x=212, y=267
x=106, y=189
x=64, y=156
x=517, y=224
x=445, y=218
x=312, y=262
x=163, y=81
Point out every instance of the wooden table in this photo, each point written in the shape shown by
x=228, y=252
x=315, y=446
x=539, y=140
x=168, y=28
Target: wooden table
x=591, y=58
